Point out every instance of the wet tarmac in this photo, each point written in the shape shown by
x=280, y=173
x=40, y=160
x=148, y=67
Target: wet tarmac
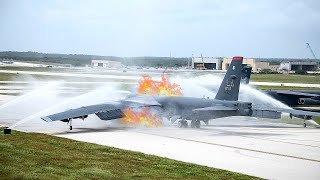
x=245, y=145
x=267, y=149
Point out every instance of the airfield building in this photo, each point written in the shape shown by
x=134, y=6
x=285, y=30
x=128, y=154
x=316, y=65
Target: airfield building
x=106, y=64
x=256, y=65
x=299, y=65
x=275, y=68
x=206, y=63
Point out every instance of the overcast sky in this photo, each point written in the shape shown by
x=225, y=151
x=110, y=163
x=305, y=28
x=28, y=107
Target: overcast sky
x=250, y=28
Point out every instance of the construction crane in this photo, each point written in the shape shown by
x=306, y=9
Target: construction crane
x=309, y=47
x=314, y=56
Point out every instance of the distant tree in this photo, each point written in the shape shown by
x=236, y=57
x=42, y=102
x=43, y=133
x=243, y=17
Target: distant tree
x=267, y=71
x=81, y=59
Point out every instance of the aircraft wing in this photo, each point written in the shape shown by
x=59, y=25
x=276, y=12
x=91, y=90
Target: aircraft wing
x=216, y=108
x=103, y=111
x=296, y=112
x=296, y=93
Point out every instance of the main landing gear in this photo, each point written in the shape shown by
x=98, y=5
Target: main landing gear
x=195, y=124
x=206, y=122
x=184, y=124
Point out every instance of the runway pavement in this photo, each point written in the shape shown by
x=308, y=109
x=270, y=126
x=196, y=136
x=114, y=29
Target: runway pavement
x=241, y=144
x=245, y=145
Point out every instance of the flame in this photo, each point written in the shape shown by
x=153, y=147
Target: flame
x=144, y=117
x=160, y=88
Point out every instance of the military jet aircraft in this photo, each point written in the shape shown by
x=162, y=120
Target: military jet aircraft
x=291, y=98
x=225, y=104
x=296, y=97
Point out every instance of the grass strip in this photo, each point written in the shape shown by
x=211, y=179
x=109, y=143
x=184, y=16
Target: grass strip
x=263, y=87
x=40, y=156
x=286, y=78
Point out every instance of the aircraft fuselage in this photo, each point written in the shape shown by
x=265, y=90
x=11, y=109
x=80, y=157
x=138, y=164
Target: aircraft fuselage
x=185, y=107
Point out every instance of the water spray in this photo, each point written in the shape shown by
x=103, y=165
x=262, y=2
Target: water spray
x=84, y=97
x=31, y=93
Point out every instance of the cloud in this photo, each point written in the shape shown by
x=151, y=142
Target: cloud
x=265, y=28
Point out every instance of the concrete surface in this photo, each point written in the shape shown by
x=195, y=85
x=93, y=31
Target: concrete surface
x=249, y=146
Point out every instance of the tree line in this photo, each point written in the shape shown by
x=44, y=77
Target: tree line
x=83, y=59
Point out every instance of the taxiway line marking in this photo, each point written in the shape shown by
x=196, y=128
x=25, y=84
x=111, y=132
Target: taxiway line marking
x=234, y=147
x=280, y=141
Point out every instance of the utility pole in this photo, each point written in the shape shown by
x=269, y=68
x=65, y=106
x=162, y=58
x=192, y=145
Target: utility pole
x=202, y=66
x=192, y=62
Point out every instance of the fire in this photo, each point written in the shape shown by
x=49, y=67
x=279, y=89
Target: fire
x=143, y=117
x=161, y=88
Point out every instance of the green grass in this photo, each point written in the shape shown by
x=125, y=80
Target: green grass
x=316, y=119
x=9, y=76
x=41, y=62
x=286, y=88
x=36, y=69
x=286, y=78
x=40, y=156
x=27, y=77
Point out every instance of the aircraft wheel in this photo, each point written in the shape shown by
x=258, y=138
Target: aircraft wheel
x=70, y=123
x=197, y=124
x=192, y=125
x=304, y=125
x=180, y=124
x=206, y=122
x=185, y=124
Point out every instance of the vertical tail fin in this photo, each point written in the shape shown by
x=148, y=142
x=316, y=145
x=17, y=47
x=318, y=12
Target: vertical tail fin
x=229, y=88
x=245, y=74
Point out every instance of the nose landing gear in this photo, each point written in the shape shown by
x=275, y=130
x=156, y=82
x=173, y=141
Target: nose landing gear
x=70, y=124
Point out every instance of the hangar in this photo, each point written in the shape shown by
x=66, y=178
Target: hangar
x=204, y=63
x=256, y=65
x=106, y=64
x=299, y=65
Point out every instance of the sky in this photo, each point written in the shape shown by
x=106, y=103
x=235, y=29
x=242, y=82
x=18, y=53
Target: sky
x=180, y=28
